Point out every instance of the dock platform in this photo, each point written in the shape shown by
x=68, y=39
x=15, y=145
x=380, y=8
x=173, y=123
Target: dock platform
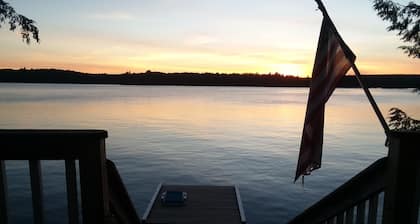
x=204, y=204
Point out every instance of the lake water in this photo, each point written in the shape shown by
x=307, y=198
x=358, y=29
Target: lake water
x=201, y=135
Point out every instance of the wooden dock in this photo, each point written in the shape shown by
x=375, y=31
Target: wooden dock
x=205, y=204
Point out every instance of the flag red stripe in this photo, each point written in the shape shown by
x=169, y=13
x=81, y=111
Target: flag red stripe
x=319, y=68
x=321, y=85
x=321, y=93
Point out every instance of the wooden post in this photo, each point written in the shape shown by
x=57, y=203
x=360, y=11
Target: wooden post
x=401, y=202
x=93, y=181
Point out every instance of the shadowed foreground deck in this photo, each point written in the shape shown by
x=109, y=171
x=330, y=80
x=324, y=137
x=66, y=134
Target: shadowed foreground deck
x=205, y=204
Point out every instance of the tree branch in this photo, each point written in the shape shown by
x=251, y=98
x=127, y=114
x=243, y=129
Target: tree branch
x=26, y=26
x=405, y=20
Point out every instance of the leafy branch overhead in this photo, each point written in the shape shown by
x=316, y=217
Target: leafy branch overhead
x=405, y=19
x=26, y=26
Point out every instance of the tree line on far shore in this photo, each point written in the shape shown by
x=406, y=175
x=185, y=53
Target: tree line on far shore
x=196, y=79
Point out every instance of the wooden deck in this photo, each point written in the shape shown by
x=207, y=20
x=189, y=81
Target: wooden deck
x=205, y=204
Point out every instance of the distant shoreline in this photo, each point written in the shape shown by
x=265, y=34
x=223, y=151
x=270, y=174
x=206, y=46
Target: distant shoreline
x=55, y=76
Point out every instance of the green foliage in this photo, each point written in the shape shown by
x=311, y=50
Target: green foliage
x=399, y=120
x=405, y=19
x=15, y=20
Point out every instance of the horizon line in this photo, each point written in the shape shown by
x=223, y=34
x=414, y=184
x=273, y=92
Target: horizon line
x=187, y=72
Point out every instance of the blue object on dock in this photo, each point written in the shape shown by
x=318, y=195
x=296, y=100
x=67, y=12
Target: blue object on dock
x=174, y=198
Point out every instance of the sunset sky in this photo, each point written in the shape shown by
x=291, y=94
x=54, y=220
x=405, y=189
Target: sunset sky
x=198, y=36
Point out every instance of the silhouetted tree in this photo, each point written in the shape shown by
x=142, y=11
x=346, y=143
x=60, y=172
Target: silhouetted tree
x=15, y=20
x=405, y=19
x=399, y=120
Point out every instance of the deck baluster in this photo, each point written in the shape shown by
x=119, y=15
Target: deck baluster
x=72, y=202
x=340, y=218
x=36, y=187
x=361, y=213
x=373, y=209
x=3, y=193
x=350, y=215
x=330, y=220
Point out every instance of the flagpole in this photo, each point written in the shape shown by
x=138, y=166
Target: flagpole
x=358, y=76
x=371, y=100
x=322, y=8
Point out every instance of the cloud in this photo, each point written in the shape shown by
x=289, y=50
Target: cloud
x=200, y=39
x=112, y=16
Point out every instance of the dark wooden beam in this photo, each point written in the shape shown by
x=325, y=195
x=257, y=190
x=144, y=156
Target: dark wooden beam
x=46, y=144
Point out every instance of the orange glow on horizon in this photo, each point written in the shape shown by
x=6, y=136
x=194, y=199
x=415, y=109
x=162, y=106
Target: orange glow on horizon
x=90, y=55
x=119, y=67
x=299, y=70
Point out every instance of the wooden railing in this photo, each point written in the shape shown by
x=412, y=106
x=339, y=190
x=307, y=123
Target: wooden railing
x=396, y=177
x=104, y=198
x=340, y=204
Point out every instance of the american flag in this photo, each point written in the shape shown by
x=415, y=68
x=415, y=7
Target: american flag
x=333, y=59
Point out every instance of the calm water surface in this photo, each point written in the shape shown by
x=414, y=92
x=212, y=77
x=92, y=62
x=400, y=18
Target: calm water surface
x=201, y=135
